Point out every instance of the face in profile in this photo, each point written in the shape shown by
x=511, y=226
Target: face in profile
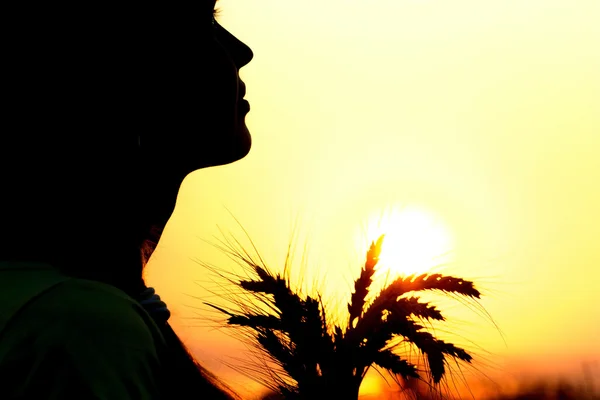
x=228, y=90
x=206, y=107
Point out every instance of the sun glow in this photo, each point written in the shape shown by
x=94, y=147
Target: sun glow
x=415, y=240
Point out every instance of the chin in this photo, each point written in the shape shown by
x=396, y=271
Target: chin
x=245, y=143
x=216, y=152
x=239, y=150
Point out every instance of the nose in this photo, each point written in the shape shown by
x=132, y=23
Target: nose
x=246, y=54
x=238, y=50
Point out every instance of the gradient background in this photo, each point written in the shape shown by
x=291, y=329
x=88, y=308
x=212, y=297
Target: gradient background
x=484, y=116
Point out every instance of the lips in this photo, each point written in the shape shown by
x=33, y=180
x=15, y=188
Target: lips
x=244, y=106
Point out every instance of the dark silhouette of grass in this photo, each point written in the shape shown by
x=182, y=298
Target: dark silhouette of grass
x=560, y=390
x=305, y=356
x=583, y=387
x=542, y=390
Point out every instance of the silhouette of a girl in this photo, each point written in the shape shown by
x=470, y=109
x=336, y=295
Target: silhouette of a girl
x=106, y=111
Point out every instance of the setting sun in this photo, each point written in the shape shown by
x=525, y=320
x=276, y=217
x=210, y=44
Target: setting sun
x=415, y=240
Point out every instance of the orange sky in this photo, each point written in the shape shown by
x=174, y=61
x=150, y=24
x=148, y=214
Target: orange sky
x=468, y=126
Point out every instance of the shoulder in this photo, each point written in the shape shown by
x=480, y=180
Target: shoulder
x=82, y=336
x=95, y=309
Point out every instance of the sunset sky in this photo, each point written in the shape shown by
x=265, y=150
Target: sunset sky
x=468, y=131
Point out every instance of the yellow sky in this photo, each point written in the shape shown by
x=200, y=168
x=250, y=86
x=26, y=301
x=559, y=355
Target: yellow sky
x=482, y=115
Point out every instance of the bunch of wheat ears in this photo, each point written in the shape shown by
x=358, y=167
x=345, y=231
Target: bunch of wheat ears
x=309, y=357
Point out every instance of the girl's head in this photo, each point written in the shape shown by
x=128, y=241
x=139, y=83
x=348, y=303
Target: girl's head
x=108, y=110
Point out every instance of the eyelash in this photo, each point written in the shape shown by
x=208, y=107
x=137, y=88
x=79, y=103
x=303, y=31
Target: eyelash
x=216, y=13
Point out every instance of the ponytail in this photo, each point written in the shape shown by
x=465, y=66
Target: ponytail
x=183, y=374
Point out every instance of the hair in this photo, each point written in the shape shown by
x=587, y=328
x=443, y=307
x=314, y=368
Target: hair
x=186, y=375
